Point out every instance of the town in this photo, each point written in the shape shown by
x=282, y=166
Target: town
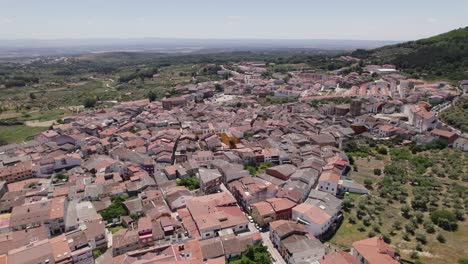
x=216, y=169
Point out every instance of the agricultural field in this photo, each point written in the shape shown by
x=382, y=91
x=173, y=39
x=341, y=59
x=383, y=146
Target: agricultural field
x=18, y=133
x=418, y=203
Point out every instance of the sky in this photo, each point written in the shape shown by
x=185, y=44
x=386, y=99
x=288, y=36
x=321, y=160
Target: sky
x=251, y=19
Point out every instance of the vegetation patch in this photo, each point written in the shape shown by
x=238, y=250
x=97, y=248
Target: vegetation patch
x=18, y=133
x=191, y=183
x=456, y=115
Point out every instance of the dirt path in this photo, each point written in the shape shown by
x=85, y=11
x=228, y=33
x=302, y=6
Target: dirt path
x=36, y=123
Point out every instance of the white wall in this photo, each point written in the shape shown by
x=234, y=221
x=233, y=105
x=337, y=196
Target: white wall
x=332, y=187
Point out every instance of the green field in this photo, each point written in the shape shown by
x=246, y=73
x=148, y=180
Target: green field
x=19, y=133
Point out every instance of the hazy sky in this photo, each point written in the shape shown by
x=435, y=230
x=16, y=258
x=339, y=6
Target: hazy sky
x=299, y=19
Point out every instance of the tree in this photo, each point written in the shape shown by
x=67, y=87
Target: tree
x=254, y=254
x=191, y=183
x=445, y=219
x=152, y=96
x=405, y=211
x=32, y=96
x=347, y=204
x=89, y=103
x=115, y=210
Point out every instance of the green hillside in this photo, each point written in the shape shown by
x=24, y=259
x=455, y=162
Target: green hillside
x=441, y=56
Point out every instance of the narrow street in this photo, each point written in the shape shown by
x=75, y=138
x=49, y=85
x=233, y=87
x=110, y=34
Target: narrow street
x=273, y=251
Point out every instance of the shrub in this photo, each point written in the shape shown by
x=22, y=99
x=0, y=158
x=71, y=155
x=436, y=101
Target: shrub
x=376, y=228
x=152, y=96
x=441, y=238
x=421, y=238
x=61, y=176
x=368, y=183
x=429, y=227
x=387, y=239
x=397, y=225
x=410, y=228
x=419, y=217
x=382, y=150
x=97, y=253
x=406, y=237
x=366, y=220
x=89, y=103
x=419, y=247
x=377, y=172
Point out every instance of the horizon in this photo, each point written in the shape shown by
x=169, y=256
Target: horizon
x=208, y=20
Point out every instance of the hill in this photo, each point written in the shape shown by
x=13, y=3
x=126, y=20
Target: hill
x=441, y=56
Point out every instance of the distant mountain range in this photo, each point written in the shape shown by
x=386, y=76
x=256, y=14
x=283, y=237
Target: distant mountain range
x=441, y=56
x=34, y=47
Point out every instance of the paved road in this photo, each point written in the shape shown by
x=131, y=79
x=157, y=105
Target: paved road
x=273, y=251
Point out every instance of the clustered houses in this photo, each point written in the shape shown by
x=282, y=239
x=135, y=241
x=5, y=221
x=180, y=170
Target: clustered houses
x=55, y=189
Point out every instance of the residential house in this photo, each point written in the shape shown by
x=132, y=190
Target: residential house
x=294, y=243
x=281, y=171
x=373, y=251
x=210, y=180
x=250, y=190
x=419, y=117
x=302, y=249
x=461, y=144
x=385, y=131
x=272, y=209
x=316, y=220
x=176, y=197
x=17, y=172
x=445, y=135
x=145, y=231
x=216, y=212
x=328, y=181
x=125, y=240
